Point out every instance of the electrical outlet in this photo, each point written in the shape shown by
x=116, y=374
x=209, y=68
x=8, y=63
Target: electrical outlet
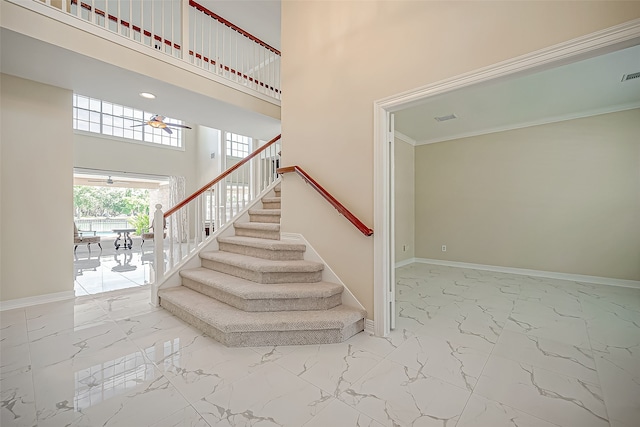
x=404, y=248
x=444, y=248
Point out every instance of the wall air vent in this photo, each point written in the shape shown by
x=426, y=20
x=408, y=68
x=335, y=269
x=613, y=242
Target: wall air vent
x=445, y=118
x=633, y=76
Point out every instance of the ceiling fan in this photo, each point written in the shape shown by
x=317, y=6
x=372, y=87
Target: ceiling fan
x=108, y=181
x=157, y=121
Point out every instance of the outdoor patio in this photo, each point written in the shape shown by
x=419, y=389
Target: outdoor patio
x=99, y=271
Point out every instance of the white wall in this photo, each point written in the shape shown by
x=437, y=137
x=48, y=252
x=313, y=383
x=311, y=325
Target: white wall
x=37, y=196
x=339, y=57
x=404, y=203
x=113, y=154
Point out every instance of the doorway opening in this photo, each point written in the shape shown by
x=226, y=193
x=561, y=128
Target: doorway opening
x=114, y=208
x=385, y=122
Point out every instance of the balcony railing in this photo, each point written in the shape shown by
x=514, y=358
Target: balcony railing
x=196, y=220
x=188, y=31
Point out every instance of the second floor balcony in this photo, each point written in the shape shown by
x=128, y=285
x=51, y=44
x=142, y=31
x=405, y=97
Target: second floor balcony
x=184, y=30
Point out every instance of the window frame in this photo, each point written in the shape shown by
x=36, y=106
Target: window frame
x=113, y=121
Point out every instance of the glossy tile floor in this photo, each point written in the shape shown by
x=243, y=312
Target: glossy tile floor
x=472, y=348
x=105, y=270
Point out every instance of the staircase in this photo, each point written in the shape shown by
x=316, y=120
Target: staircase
x=257, y=290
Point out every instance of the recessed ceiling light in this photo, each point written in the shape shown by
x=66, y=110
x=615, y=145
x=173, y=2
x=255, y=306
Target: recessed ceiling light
x=147, y=95
x=445, y=118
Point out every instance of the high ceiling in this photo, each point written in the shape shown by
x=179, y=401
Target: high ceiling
x=79, y=73
x=584, y=88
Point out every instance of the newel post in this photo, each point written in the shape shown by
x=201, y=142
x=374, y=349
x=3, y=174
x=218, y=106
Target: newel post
x=158, y=254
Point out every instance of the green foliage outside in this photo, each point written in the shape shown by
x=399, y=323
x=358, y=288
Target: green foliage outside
x=140, y=223
x=109, y=201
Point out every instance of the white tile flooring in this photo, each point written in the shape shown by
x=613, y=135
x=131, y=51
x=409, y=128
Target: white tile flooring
x=472, y=348
x=99, y=271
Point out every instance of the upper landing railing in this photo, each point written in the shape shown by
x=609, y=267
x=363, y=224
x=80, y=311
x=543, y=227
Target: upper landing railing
x=188, y=31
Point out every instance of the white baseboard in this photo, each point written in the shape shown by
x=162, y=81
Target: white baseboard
x=536, y=273
x=406, y=262
x=40, y=299
x=369, y=326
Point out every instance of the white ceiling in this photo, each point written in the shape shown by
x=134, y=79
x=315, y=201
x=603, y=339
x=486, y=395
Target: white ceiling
x=584, y=88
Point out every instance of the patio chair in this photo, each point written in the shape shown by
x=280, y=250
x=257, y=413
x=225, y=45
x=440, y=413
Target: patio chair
x=149, y=234
x=82, y=237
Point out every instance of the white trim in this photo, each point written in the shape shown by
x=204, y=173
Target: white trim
x=402, y=137
x=607, y=40
x=369, y=326
x=381, y=224
x=406, y=262
x=536, y=273
x=549, y=120
x=328, y=275
x=40, y=299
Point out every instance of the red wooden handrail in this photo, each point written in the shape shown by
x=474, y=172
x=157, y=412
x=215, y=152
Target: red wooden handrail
x=233, y=27
x=329, y=198
x=220, y=177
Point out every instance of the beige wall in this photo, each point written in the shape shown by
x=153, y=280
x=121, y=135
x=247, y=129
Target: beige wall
x=39, y=152
x=342, y=56
x=404, y=202
x=563, y=197
x=37, y=196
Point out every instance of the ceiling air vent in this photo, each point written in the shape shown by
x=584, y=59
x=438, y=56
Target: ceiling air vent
x=633, y=76
x=449, y=117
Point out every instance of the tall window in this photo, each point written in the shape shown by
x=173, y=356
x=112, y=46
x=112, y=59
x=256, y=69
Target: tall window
x=237, y=145
x=97, y=116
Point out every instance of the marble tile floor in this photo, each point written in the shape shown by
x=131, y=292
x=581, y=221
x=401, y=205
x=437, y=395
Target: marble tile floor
x=105, y=270
x=471, y=348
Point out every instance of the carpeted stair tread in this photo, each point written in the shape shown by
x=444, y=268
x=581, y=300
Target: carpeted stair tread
x=247, y=289
x=229, y=319
x=271, y=199
x=271, y=212
x=262, y=265
x=274, y=245
x=262, y=226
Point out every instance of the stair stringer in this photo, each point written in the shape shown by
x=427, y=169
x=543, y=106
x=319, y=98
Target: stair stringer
x=173, y=279
x=328, y=275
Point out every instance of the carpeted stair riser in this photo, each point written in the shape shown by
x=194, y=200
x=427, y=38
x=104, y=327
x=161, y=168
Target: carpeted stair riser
x=274, y=338
x=263, y=277
x=237, y=328
x=264, y=253
x=265, y=215
x=271, y=203
x=258, y=230
x=257, y=290
x=266, y=304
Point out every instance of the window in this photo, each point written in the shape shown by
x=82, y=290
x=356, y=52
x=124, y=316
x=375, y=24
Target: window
x=97, y=116
x=237, y=145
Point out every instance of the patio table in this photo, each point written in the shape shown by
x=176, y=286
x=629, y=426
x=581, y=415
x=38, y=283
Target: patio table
x=128, y=242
